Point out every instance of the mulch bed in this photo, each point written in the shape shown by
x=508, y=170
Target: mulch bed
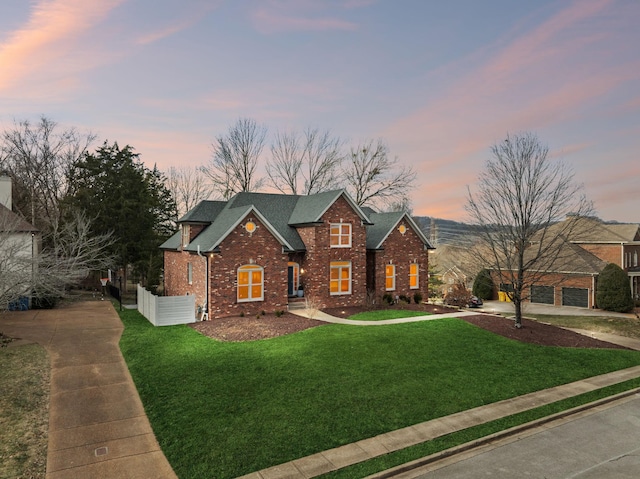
x=270, y=326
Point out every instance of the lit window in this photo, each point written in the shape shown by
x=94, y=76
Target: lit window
x=340, y=277
x=413, y=276
x=340, y=236
x=250, y=283
x=390, y=277
x=185, y=235
x=402, y=229
x=250, y=227
x=190, y=273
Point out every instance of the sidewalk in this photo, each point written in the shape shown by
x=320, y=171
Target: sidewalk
x=97, y=424
x=347, y=455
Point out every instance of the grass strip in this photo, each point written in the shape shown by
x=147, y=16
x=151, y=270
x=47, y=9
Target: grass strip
x=24, y=406
x=458, y=438
x=383, y=314
x=227, y=409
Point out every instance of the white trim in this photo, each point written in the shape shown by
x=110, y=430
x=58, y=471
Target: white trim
x=417, y=275
x=393, y=277
x=339, y=265
x=340, y=235
x=250, y=268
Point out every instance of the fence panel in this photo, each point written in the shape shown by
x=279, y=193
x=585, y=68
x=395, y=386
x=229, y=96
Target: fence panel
x=166, y=310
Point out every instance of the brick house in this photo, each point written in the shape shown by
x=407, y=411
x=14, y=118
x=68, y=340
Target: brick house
x=593, y=244
x=254, y=252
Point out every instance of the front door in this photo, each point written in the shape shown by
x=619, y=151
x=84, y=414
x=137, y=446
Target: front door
x=290, y=281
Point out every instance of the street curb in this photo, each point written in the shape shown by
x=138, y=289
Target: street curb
x=433, y=458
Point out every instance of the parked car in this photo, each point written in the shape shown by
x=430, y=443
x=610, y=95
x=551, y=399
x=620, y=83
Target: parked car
x=475, y=302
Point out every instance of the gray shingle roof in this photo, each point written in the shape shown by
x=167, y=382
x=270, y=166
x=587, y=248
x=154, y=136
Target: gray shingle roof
x=384, y=224
x=204, y=212
x=9, y=221
x=280, y=214
x=571, y=258
x=593, y=230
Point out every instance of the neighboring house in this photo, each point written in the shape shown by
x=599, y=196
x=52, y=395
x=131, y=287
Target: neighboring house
x=451, y=277
x=573, y=281
x=19, y=242
x=252, y=253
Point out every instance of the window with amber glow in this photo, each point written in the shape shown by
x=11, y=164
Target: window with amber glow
x=340, y=277
x=340, y=235
x=390, y=277
x=250, y=283
x=413, y=276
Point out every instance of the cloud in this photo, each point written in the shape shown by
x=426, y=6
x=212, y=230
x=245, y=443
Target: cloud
x=297, y=16
x=179, y=25
x=48, y=36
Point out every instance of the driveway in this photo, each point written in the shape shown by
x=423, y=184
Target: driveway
x=493, y=307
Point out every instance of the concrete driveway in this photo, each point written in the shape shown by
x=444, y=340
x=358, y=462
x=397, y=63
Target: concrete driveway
x=493, y=307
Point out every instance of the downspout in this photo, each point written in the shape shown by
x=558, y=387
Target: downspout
x=205, y=310
x=593, y=291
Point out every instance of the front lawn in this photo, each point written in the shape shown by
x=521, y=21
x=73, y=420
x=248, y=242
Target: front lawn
x=226, y=409
x=621, y=326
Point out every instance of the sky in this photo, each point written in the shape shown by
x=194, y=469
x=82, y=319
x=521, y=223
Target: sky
x=439, y=81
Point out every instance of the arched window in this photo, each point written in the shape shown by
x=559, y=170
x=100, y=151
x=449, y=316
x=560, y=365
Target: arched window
x=250, y=283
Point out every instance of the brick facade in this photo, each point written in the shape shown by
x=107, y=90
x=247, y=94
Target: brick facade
x=261, y=248
x=242, y=248
x=319, y=255
x=400, y=250
x=176, y=282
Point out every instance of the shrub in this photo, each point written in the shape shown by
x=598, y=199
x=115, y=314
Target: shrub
x=459, y=296
x=417, y=298
x=279, y=313
x=614, y=293
x=387, y=298
x=483, y=285
x=404, y=298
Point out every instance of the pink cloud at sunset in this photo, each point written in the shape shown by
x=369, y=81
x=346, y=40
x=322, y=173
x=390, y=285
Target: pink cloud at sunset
x=49, y=33
x=439, y=82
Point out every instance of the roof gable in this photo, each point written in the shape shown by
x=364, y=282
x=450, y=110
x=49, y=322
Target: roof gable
x=310, y=209
x=385, y=223
x=11, y=222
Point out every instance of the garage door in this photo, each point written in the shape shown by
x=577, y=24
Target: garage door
x=575, y=297
x=542, y=294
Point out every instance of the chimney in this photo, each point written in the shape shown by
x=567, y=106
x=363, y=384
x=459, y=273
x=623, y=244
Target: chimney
x=5, y=191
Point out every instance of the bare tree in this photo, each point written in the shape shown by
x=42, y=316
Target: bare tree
x=312, y=160
x=372, y=178
x=39, y=158
x=27, y=271
x=188, y=186
x=525, y=209
x=235, y=159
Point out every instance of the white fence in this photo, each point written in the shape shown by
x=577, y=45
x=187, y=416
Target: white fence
x=166, y=310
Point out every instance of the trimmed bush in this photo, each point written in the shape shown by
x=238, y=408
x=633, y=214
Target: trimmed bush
x=614, y=293
x=417, y=298
x=483, y=285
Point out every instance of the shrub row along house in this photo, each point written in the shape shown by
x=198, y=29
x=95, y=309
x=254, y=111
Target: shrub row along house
x=254, y=252
x=581, y=257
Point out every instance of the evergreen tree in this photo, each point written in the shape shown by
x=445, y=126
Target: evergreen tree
x=483, y=285
x=614, y=293
x=125, y=198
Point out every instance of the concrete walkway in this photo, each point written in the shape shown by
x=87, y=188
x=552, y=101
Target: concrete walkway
x=97, y=424
x=98, y=427
x=350, y=454
x=322, y=316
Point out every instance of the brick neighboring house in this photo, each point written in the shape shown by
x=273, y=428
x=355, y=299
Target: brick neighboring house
x=252, y=253
x=593, y=245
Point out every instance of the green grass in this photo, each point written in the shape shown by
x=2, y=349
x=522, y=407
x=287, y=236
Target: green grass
x=226, y=409
x=382, y=314
x=448, y=441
